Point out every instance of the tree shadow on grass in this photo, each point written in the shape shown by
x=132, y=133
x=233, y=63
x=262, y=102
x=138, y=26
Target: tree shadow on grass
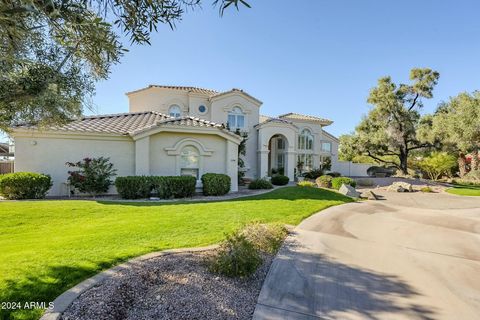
x=315, y=285
x=286, y=193
x=44, y=287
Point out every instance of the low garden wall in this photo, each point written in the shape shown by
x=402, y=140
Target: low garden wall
x=350, y=169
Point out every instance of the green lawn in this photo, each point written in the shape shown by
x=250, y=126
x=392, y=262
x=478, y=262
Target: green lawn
x=49, y=246
x=465, y=190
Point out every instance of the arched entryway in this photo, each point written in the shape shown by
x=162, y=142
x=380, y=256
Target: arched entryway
x=270, y=156
x=277, y=155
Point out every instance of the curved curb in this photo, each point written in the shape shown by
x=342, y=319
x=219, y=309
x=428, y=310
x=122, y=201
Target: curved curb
x=63, y=301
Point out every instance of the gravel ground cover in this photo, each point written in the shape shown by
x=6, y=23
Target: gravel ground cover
x=175, y=286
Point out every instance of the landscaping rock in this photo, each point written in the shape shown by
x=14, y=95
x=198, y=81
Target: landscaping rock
x=370, y=195
x=176, y=286
x=349, y=191
x=400, y=186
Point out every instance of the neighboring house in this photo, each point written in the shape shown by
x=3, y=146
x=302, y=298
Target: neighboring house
x=172, y=130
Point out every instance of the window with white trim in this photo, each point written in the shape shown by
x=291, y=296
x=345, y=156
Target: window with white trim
x=326, y=146
x=305, y=140
x=189, y=161
x=175, y=111
x=236, y=119
x=305, y=150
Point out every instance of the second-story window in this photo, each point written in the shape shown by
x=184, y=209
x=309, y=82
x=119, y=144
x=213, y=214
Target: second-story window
x=305, y=140
x=326, y=146
x=175, y=111
x=236, y=119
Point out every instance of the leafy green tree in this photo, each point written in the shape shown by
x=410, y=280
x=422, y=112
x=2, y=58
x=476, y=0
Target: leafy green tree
x=390, y=128
x=53, y=51
x=438, y=164
x=456, y=125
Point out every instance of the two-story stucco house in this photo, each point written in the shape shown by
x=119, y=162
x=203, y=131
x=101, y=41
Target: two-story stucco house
x=172, y=130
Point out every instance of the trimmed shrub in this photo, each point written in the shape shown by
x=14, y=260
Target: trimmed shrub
x=260, y=184
x=337, y=182
x=265, y=237
x=236, y=257
x=215, y=184
x=313, y=174
x=280, y=180
x=133, y=187
x=24, y=185
x=169, y=187
x=334, y=174
x=324, y=181
x=308, y=184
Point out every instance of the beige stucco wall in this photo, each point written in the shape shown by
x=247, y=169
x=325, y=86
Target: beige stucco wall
x=162, y=164
x=48, y=154
x=161, y=99
x=150, y=155
x=222, y=106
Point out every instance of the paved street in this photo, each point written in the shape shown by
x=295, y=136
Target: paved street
x=410, y=256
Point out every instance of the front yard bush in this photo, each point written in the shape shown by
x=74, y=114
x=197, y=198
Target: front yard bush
x=337, y=182
x=308, y=184
x=313, y=174
x=134, y=187
x=260, y=184
x=24, y=185
x=280, y=180
x=169, y=187
x=236, y=257
x=93, y=175
x=265, y=237
x=324, y=181
x=215, y=184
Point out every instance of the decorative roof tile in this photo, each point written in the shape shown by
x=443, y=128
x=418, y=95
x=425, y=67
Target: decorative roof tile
x=130, y=123
x=298, y=116
x=208, y=92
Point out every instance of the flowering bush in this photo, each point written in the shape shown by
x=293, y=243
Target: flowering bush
x=94, y=175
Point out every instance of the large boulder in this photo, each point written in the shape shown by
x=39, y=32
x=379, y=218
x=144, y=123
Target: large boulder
x=400, y=186
x=349, y=191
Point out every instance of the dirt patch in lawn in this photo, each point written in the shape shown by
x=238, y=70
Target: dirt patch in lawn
x=176, y=286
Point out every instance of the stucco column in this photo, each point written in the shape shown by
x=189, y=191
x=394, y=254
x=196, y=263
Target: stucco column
x=291, y=164
x=232, y=164
x=262, y=163
x=142, y=156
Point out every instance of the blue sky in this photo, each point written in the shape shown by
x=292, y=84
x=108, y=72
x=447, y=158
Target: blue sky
x=315, y=57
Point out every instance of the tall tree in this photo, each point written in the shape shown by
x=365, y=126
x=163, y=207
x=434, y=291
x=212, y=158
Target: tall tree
x=456, y=124
x=390, y=128
x=53, y=51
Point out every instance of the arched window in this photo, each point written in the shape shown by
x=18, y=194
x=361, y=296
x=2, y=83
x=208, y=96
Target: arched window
x=305, y=140
x=175, y=111
x=305, y=154
x=189, y=161
x=236, y=119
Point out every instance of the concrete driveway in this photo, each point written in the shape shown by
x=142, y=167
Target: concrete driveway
x=410, y=256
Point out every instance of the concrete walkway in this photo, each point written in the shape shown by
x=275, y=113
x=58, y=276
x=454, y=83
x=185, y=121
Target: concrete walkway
x=411, y=256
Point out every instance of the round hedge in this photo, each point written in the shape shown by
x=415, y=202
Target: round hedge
x=280, y=180
x=215, y=184
x=260, y=184
x=24, y=185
